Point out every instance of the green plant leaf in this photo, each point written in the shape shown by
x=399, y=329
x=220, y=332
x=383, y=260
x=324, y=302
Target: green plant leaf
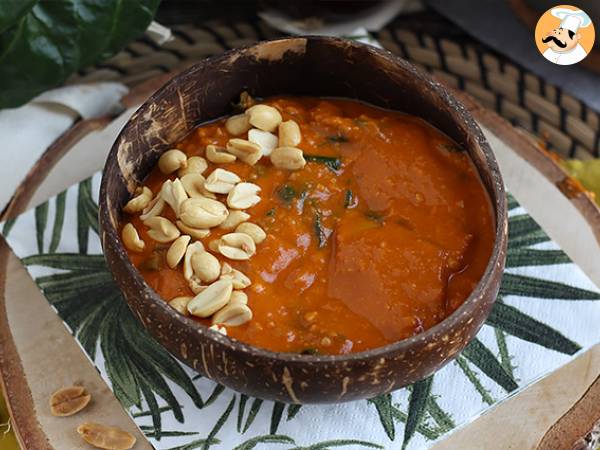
x=41, y=218
x=429, y=432
x=441, y=417
x=522, y=257
x=12, y=11
x=521, y=225
x=276, y=415
x=338, y=443
x=293, y=409
x=59, y=218
x=218, y=389
x=512, y=202
x=154, y=410
x=505, y=358
x=417, y=405
x=196, y=444
x=241, y=411
x=8, y=226
x=525, y=286
x=43, y=42
x=514, y=322
x=474, y=379
x=219, y=424
x=383, y=405
x=82, y=217
x=254, y=409
x=483, y=358
x=250, y=444
x=67, y=261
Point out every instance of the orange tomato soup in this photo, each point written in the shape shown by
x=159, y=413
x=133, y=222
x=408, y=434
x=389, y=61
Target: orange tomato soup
x=383, y=234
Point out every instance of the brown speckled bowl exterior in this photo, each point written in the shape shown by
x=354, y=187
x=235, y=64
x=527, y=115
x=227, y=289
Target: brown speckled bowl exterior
x=316, y=66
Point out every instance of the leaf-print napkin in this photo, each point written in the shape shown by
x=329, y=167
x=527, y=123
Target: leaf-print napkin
x=546, y=313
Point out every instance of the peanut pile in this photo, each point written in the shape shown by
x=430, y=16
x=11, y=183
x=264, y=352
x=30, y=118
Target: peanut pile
x=217, y=200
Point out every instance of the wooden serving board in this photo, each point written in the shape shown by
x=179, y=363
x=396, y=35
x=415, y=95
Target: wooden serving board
x=38, y=355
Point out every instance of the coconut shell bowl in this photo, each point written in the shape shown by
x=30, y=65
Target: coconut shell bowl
x=315, y=66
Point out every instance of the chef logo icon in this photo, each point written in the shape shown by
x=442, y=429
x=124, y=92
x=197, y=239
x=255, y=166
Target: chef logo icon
x=564, y=35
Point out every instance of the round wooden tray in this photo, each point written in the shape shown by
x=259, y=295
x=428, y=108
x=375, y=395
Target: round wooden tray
x=37, y=354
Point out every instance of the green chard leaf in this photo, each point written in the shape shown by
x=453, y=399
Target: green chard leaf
x=337, y=138
x=287, y=193
x=43, y=42
x=319, y=231
x=333, y=163
x=349, y=199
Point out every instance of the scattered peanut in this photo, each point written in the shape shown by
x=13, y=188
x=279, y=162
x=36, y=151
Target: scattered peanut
x=161, y=230
x=172, y=160
x=131, y=239
x=221, y=181
x=213, y=245
x=195, y=164
x=254, y=231
x=239, y=280
x=196, y=233
x=265, y=140
x=289, y=158
x=233, y=315
x=191, y=250
x=173, y=193
x=244, y=150
x=264, y=117
x=218, y=329
x=234, y=219
x=140, y=201
x=219, y=155
x=238, y=297
x=193, y=183
x=203, y=212
x=192, y=198
x=238, y=246
x=154, y=208
x=237, y=125
x=196, y=285
x=69, y=400
x=211, y=299
x=243, y=196
x=206, y=267
x=177, y=250
x=289, y=134
x=105, y=437
x=179, y=304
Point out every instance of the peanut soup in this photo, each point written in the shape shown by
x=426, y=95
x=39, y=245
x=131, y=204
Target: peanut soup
x=312, y=225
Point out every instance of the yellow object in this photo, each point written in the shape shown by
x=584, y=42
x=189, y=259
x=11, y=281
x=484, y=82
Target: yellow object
x=586, y=172
x=8, y=441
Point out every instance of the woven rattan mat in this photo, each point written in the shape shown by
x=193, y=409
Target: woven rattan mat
x=559, y=121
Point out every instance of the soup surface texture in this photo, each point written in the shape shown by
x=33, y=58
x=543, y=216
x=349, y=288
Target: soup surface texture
x=383, y=234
